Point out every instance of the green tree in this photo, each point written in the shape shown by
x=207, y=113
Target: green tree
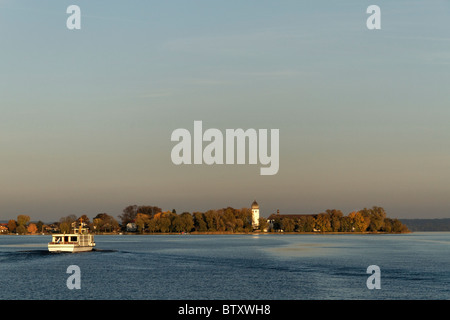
x=229, y=219
x=323, y=222
x=239, y=225
x=377, y=216
x=164, y=221
x=142, y=221
x=277, y=224
x=360, y=222
x=398, y=226
x=65, y=223
x=388, y=225
x=164, y=224
x=187, y=221
x=103, y=222
x=346, y=224
x=182, y=223
x=210, y=220
x=305, y=224
x=218, y=221
x=21, y=229
x=152, y=225
x=40, y=226
x=263, y=224
x=245, y=214
x=177, y=224
x=335, y=217
x=22, y=220
x=199, y=222
x=287, y=224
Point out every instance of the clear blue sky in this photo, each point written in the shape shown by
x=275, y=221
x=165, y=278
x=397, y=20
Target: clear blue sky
x=87, y=115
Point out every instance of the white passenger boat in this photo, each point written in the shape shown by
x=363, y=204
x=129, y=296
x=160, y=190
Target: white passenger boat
x=78, y=241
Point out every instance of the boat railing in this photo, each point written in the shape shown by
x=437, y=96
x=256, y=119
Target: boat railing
x=62, y=242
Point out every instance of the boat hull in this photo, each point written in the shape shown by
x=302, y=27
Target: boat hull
x=68, y=248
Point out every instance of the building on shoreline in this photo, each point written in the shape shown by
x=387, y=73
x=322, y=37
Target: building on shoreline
x=131, y=227
x=4, y=228
x=255, y=215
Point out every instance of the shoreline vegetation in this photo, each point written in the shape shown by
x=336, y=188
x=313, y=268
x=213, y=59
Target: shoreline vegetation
x=150, y=220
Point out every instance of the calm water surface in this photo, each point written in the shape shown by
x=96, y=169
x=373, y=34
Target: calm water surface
x=290, y=267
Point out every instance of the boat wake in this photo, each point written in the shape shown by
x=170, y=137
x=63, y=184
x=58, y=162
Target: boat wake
x=36, y=254
x=103, y=250
x=33, y=252
x=15, y=256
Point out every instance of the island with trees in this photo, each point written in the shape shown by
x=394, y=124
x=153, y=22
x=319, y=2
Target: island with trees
x=147, y=219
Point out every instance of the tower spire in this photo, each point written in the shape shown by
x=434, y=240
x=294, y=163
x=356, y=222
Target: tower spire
x=255, y=215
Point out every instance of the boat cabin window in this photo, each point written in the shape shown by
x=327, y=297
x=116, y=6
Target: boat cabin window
x=66, y=239
x=74, y=239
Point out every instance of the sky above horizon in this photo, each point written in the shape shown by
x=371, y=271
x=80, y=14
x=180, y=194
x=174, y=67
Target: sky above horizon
x=87, y=115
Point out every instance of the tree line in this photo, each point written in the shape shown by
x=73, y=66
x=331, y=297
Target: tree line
x=364, y=220
x=152, y=219
x=23, y=225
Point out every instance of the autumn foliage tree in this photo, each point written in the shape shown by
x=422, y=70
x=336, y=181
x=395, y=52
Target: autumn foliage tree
x=151, y=219
x=104, y=222
x=365, y=220
x=12, y=225
x=359, y=221
x=222, y=220
x=32, y=228
x=65, y=223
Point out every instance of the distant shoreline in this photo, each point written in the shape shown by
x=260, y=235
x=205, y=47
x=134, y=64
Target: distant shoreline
x=218, y=233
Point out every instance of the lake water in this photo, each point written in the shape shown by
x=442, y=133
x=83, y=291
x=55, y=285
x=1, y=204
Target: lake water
x=230, y=267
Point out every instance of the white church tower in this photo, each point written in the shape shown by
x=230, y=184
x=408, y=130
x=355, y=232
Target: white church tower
x=255, y=215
